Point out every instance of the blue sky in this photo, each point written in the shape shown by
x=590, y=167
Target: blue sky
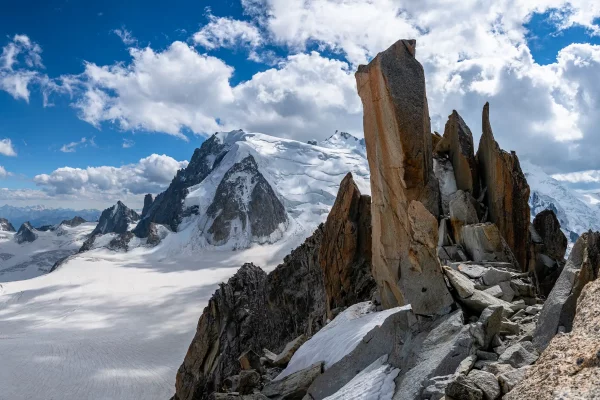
x=133, y=88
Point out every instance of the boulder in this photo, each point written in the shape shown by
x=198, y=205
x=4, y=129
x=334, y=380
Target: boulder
x=484, y=242
x=115, y=219
x=26, y=234
x=250, y=360
x=559, y=308
x=507, y=191
x=488, y=326
x=457, y=142
x=6, y=226
x=494, y=276
x=286, y=355
x=569, y=368
x=464, y=389
x=345, y=253
x=517, y=356
x=548, y=227
x=248, y=382
x=487, y=383
x=509, y=380
x=405, y=192
x=293, y=386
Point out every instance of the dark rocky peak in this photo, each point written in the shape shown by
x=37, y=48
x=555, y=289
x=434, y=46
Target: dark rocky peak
x=116, y=219
x=548, y=227
x=147, y=204
x=45, y=228
x=6, y=226
x=245, y=207
x=339, y=136
x=167, y=207
x=26, y=233
x=73, y=222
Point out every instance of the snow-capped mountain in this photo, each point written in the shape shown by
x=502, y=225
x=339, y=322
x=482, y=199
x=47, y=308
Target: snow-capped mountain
x=242, y=188
x=40, y=215
x=574, y=214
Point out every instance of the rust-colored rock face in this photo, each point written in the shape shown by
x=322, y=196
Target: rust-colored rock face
x=398, y=138
x=569, y=368
x=458, y=143
x=345, y=253
x=507, y=191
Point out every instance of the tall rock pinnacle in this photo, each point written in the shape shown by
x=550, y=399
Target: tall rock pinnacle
x=404, y=189
x=507, y=190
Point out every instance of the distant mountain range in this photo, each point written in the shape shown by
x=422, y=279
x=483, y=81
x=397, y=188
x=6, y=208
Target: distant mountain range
x=40, y=215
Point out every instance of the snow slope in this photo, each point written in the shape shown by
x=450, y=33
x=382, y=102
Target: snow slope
x=28, y=260
x=304, y=177
x=574, y=214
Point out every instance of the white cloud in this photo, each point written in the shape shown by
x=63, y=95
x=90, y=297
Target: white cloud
x=150, y=175
x=127, y=143
x=6, y=148
x=3, y=172
x=125, y=36
x=19, y=62
x=72, y=147
x=228, y=33
x=22, y=194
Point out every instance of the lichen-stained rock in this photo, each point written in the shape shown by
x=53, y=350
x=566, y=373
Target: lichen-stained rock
x=398, y=138
x=457, y=142
x=345, y=253
x=548, y=227
x=559, y=309
x=569, y=368
x=484, y=242
x=507, y=191
x=235, y=320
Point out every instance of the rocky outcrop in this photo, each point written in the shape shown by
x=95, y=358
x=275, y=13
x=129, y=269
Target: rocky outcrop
x=245, y=208
x=259, y=311
x=483, y=242
x=167, y=207
x=73, y=222
x=345, y=254
x=148, y=200
x=548, y=227
x=6, y=226
x=569, y=368
x=26, y=234
x=559, y=309
x=405, y=192
x=507, y=191
x=457, y=142
x=115, y=219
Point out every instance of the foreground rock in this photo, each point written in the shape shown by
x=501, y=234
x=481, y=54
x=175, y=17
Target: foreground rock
x=6, y=226
x=559, y=309
x=115, y=219
x=403, y=185
x=507, y=191
x=345, y=255
x=569, y=368
x=26, y=234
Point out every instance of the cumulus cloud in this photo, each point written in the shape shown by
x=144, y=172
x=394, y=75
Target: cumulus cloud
x=227, y=33
x=19, y=64
x=150, y=175
x=3, y=172
x=6, y=148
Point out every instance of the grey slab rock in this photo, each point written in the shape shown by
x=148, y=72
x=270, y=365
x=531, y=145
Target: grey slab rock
x=488, y=326
x=508, y=294
x=436, y=387
x=494, y=276
x=517, y=356
x=294, y=386
x=509, y=380
x=495, y=291
x=559, y=308
x=472, y=271
x=380, y=341
x=498, y=368
x=483, y=242
x=487, y=383
x=487, y=355
x=436, y=349
x=463, y=211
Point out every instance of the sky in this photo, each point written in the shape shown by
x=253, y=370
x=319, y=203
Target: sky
x=101, y=101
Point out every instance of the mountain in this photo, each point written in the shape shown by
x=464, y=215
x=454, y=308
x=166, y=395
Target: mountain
x=243, y=188
x=6, y=226
x=116, y=219
x=574, y=214
x=40, y=215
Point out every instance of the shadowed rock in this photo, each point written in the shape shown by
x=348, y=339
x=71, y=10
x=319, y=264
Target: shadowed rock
x=147, y=204
x=345, y=254
x=405, y=192
x=548, y=227
x=507, y=191
x=115, y=219
x=73, y=222
x=559, y=309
